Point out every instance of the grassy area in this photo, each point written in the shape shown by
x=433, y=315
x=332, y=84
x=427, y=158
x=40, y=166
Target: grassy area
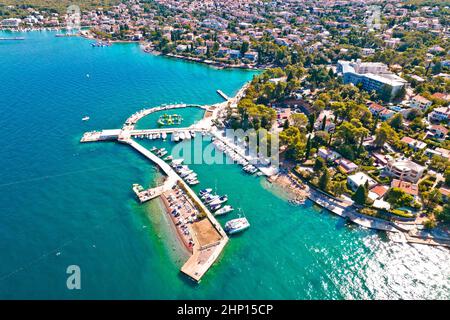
x=402, y=213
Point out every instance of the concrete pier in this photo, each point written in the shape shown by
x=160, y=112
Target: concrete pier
x=133, y=119
x=223, y=95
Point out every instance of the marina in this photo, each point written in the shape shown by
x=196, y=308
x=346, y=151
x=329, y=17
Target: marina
x=196, y=226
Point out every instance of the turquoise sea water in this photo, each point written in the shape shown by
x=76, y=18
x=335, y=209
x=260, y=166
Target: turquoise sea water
x=64, y=203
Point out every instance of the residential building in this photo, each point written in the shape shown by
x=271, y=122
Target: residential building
x=414, y=144
x=328, y=154
x=372, y=76
x=405, y=170
x=440, y=114
x=11, y=22
x=347, y=166
x=420, y=102
x=438, y=131
x=358, y=179
x=377, y=192
x=407, y=187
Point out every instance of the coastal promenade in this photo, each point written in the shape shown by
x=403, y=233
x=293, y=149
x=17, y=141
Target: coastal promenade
x=347, y=211
x=404, y=233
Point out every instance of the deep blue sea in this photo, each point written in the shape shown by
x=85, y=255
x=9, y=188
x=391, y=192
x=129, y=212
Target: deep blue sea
x=64, y=203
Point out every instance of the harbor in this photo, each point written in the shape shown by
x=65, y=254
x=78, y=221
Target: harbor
x=196, y=226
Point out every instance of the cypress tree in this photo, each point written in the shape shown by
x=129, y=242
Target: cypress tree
x=324, y=180
x=360, y=196
x=324, y=123
x=308, y=148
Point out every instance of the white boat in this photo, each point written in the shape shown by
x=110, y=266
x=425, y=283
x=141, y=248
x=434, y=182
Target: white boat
x=168, y=158
x=236, y=225
x=193, y=182
x=163, y=153
x=220, y=200
x=224, y=210
x=187, y=135
x=86, y=118
x=191, y=176
x=204, y=191
x=181, y=168
x=153, y=149
x=182, y=136
x=192, y=133
x=215, y=207
x=175, y=136
x=186, y=173
x=164, y=136
x=211, y=199
x=177, y=162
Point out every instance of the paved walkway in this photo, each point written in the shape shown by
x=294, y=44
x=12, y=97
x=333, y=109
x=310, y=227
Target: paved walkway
x=347, y=211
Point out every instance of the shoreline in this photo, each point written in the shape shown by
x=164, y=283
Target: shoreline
x=349, y=213
x=210, y=63
x=291, y=187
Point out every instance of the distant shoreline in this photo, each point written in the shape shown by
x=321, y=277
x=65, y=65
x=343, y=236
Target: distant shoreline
x=210, y=63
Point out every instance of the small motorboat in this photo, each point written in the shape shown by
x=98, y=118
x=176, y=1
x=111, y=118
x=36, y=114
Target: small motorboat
x=204, y=192
x=215, y=207
x=224, y=210
x=85, y=118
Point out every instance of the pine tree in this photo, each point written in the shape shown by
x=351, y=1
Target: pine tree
x=319, y=164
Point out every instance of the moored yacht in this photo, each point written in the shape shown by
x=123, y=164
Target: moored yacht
x=211, y=198
x=215, y=207
x=224, y=210
x=204, y=192
x=236, y=225
x=177, y=162
x=219, y=200
x=162, y=153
